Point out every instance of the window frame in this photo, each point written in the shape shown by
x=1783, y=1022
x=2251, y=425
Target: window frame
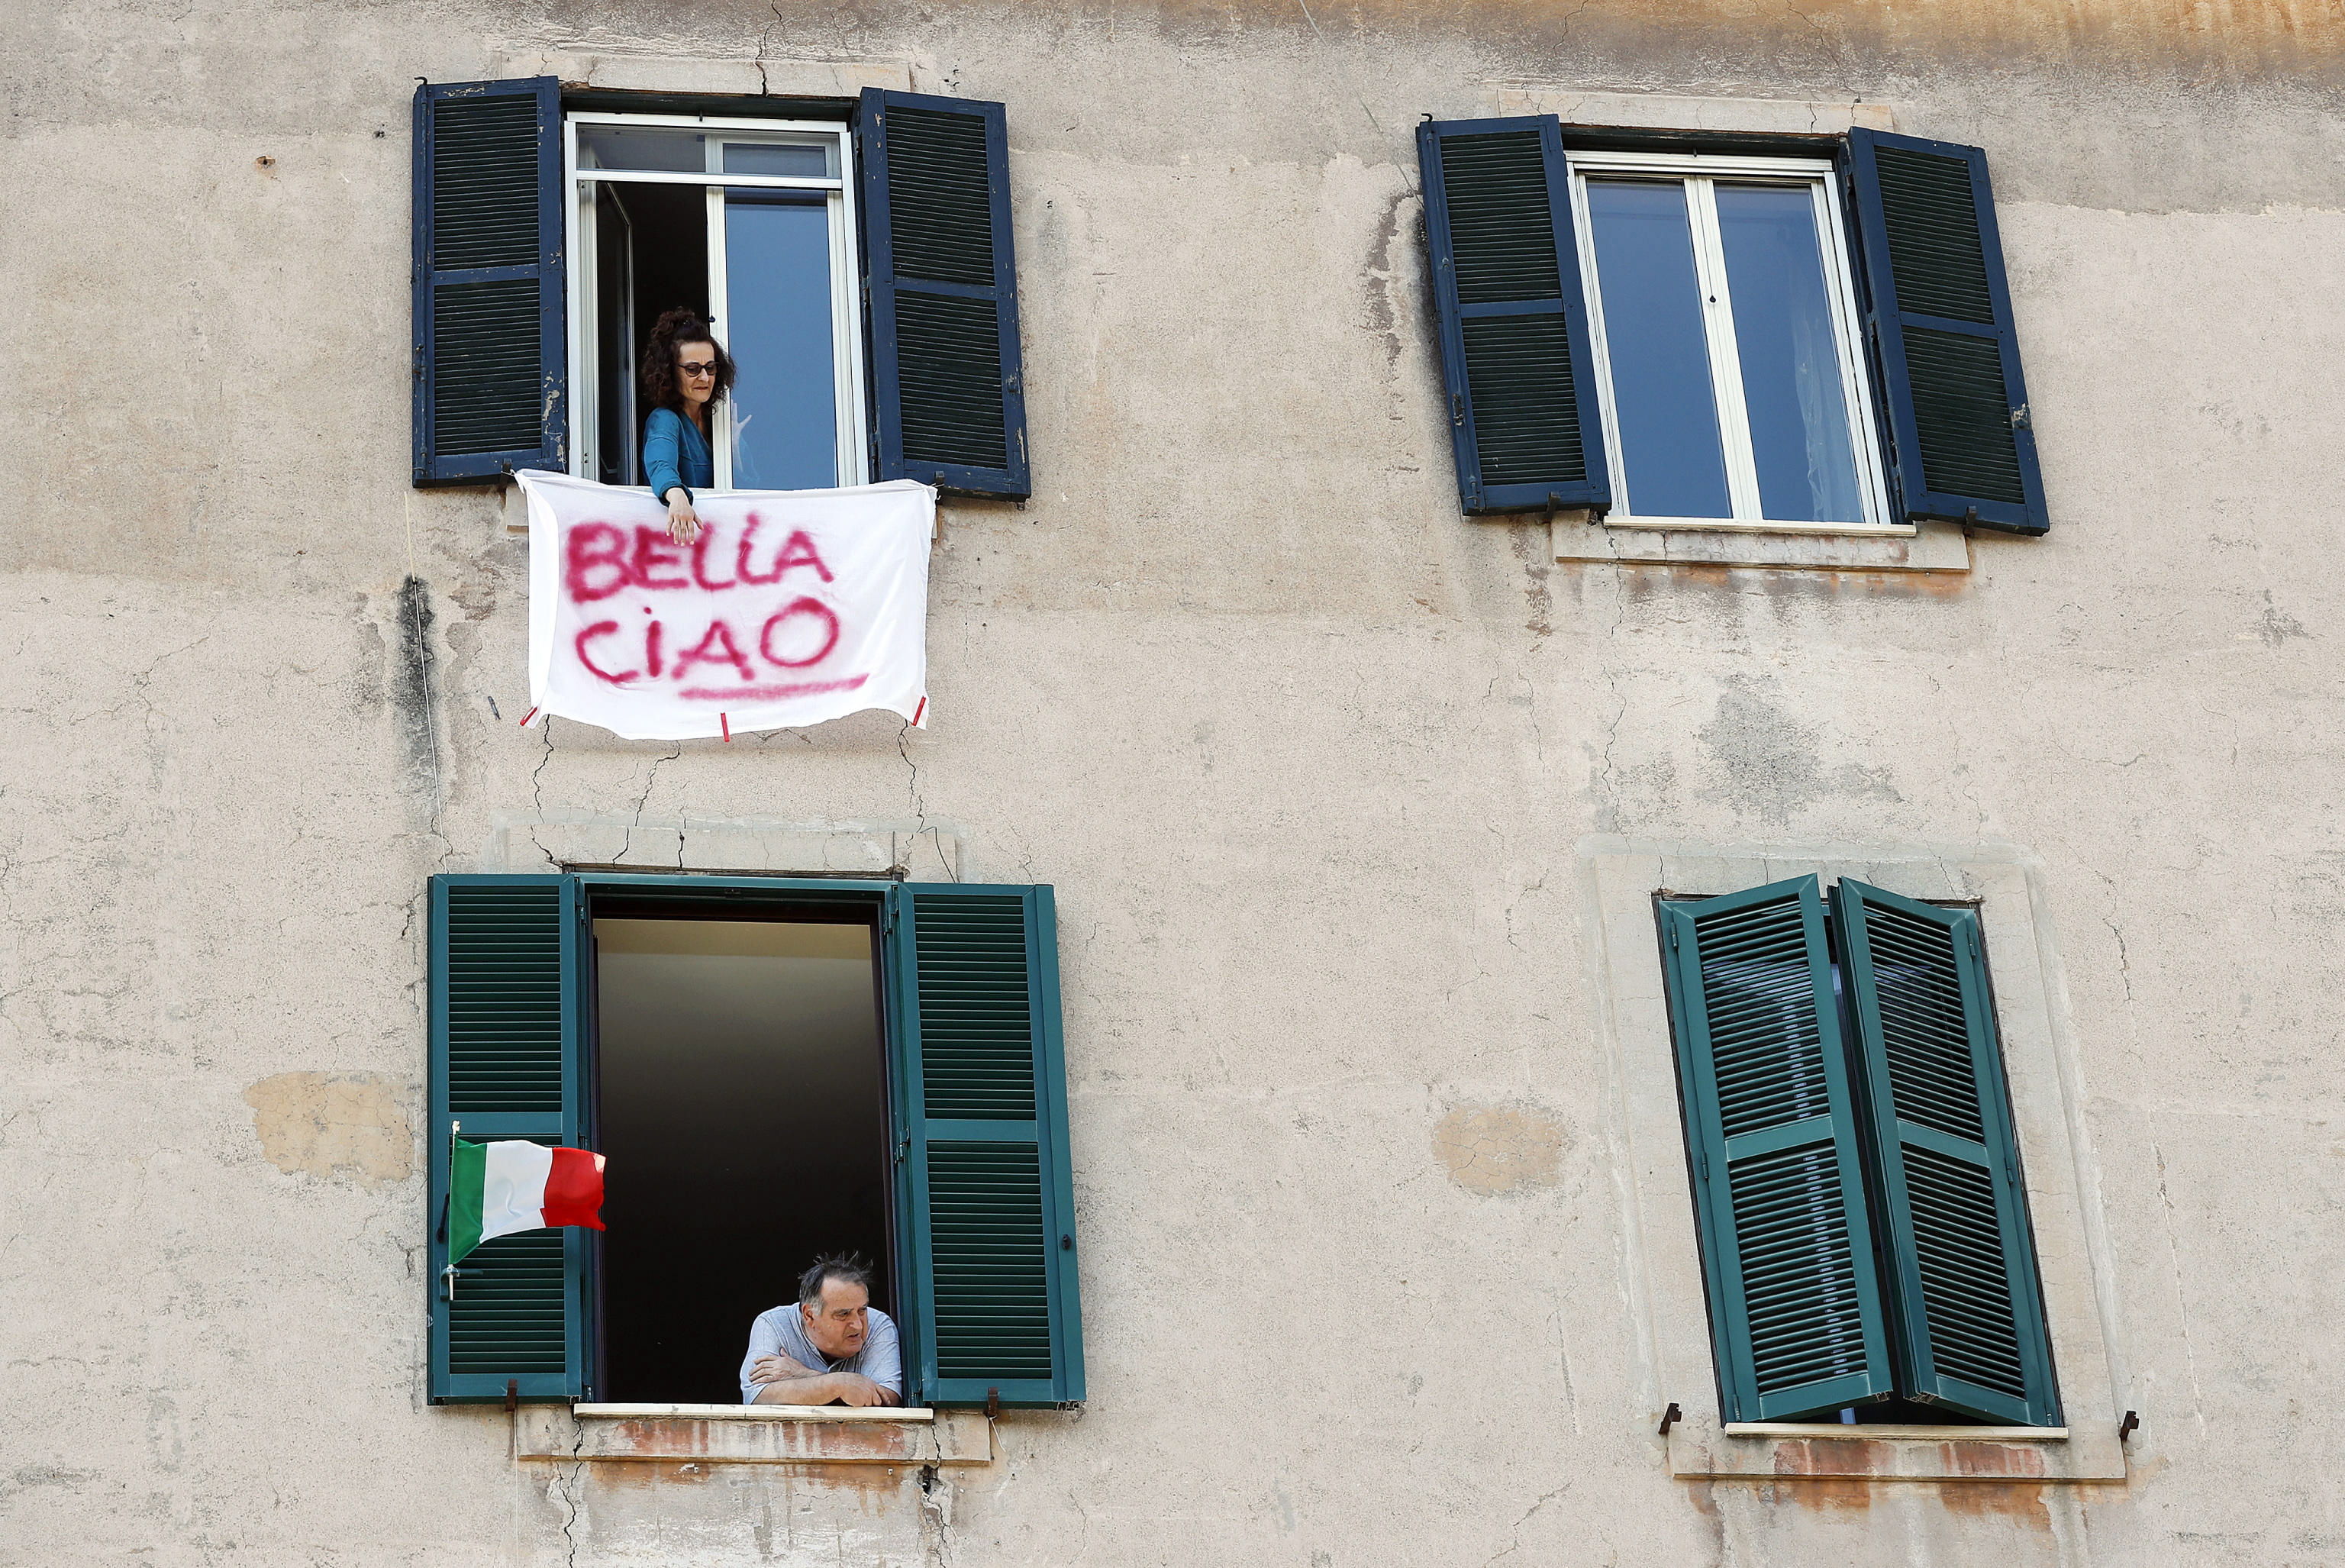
x=955, y=1352
x=847, y=325
x=1699, y=172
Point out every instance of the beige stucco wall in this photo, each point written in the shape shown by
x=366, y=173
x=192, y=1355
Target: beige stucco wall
x=1310, y=760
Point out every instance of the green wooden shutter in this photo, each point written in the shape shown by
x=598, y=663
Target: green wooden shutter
x=948, y=392
x=1771, y=1125
x=1514, y=350
x=984, y=1190
x=491, y=347
x=508, y=1027
x=1939, y=311
x=1965, y=1298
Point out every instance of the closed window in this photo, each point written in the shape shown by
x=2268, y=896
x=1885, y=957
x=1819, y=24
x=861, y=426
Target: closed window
x=1782, y=334
x=774, y=1068
x=858, y=268
x=1864, y=1230
x=1725, y=333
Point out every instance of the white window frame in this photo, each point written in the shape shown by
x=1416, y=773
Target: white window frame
x=1702, y=173
x=846, y=314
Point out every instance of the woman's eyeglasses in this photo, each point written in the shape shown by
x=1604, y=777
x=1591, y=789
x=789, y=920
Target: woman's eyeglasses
x=697, y=370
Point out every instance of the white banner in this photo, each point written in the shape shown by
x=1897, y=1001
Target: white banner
x=792, y=606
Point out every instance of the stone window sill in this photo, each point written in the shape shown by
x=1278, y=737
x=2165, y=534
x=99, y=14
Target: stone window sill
x=694, y=1435
x=1833, y=1452
x=1921, y=547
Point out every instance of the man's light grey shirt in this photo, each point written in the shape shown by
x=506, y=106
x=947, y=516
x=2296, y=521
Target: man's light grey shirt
x=782, y=1332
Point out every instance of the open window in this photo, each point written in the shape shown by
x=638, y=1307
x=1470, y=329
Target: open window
x=1690, y=331
x=751, y=224
x=858, y=266
x=774, y=1068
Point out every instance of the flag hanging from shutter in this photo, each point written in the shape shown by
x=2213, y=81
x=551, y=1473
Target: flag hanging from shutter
x=1940, y=316
x=947, y=390
x=1772, y=1123
x=508, y=961
x=492, y=381
x=984, y=1185
x=1515, y=356
x=1963, y=1294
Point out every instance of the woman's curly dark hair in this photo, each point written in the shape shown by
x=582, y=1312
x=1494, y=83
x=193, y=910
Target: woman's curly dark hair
x=657, y=372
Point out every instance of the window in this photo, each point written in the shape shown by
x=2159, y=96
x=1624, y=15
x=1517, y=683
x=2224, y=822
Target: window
x=860, y=267
x=1865, y=1240
x=1725, y=340
x=751, y=224
x=774, y=1066
x=1784, y=334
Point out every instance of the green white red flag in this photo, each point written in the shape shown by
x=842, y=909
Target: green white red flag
x=496, y=1189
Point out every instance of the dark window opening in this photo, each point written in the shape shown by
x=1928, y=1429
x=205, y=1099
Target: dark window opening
x=741, y=1100
x=652, y=255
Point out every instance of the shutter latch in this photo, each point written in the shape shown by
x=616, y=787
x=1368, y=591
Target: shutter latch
x=2021, y=419
x=448, y=1282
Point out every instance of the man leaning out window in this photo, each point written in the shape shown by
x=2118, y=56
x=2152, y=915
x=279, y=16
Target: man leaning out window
x=832, y=1348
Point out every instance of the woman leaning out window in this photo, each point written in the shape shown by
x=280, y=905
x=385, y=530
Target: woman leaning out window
x=685, y=374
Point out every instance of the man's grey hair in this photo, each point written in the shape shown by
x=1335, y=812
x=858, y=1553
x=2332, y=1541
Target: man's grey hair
x=846, y=1267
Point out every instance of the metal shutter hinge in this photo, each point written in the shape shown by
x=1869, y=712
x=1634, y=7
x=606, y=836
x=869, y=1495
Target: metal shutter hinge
x=1457, y=408
x=1701, y=1163
x=2021, y=419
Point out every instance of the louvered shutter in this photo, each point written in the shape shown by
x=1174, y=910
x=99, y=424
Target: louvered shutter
x=984, y=1190
x=508, y=961
x=949, y=404
x=1939, y=312
x=1963, y=1288
x=1771, y=1125
x=1515, y=356
x=491, y=379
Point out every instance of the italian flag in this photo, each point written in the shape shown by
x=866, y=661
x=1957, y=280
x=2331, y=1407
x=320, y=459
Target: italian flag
x=496, y=1189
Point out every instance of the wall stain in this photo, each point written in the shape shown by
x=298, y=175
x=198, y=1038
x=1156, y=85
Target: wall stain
x=1496, y=1150
x=1528, y=542
x=334, y=1125
x=1769, y=763
x=411, y=674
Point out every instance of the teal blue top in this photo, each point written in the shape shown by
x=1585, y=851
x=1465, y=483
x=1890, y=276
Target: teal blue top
x=676, y=454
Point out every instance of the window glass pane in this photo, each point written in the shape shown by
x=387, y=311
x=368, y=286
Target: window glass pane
x=634, y=147
x=777, y=293
x=1669, y=454
x=1792, y=381
x=807, y=160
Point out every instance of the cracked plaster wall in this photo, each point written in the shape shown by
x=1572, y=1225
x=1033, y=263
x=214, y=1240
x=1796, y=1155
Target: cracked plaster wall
x=1305, y=754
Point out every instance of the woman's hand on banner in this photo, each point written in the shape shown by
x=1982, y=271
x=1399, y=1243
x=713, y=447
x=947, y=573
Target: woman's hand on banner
x=682, y=522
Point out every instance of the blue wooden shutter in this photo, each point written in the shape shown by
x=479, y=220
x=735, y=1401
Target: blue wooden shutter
x=491, y=351
x=1772, y=1127
x=949, y=404
x=1515, y=356
x=1965, y=1303
x=508, y=989
x=1939, y=312
x=984, y=1188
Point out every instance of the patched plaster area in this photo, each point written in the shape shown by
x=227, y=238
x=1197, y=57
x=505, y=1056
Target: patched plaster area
x=339, y=1126
x=1496, y=1150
